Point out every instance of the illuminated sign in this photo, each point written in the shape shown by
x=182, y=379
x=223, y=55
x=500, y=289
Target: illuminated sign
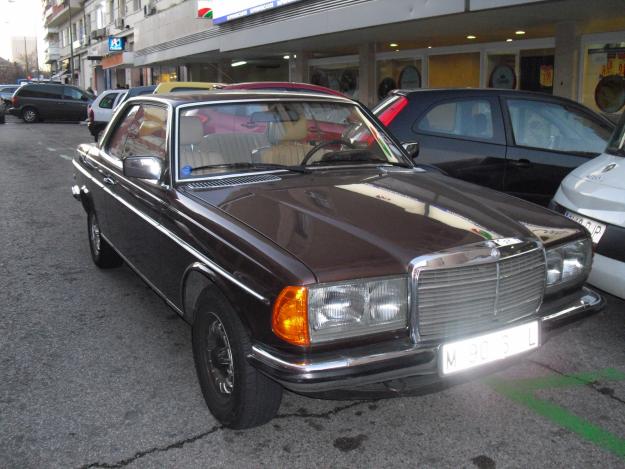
x=227, y=10
x=116, y=43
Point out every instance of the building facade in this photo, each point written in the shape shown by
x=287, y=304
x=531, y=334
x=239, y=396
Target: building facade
x=364, y=48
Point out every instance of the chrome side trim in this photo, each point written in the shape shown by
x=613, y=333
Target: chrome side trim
x=144, y=278
x=76, y=192
x=186, y=246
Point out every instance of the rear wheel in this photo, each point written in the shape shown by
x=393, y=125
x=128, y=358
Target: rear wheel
x=102, y=253
x=30, y=115
x=236, y=393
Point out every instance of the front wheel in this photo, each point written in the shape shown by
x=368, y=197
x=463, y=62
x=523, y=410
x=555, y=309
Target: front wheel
x=236, y=393
x=30, y=115
x=102, y=253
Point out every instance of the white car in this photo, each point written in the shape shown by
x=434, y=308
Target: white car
x=594, y=195
x=99, y=113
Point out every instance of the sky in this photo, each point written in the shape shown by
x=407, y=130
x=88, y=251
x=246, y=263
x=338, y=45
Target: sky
x=20, y=18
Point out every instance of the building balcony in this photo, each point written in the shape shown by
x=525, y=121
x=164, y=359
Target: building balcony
x=60, y=13
x=51, y=54
x=50, y=33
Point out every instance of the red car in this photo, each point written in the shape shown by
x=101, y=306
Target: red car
x=282, y=86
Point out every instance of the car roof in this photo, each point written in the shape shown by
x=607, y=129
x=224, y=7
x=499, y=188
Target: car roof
x=180, y=98
x=280, y=84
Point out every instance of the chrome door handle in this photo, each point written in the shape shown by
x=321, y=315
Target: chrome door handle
x=108, y=180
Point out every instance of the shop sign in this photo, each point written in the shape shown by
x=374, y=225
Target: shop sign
x=116, y=44
x=223, y=11
x=205, y=9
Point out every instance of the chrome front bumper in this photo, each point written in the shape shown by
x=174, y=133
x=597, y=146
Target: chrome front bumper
x=350, y=369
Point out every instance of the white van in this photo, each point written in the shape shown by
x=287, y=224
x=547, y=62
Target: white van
x=594, y=195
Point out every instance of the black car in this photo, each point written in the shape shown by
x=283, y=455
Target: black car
x=519, y=142
x=45, y=101
x=308, y=252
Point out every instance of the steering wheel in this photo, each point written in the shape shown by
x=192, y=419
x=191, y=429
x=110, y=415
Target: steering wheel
x=321, y=145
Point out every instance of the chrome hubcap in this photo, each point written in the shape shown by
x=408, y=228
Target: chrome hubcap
x=219, y=356
x=94, y=234
x=30, y=115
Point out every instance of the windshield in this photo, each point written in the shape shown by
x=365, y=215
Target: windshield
x=287, y=134
x=617, y=142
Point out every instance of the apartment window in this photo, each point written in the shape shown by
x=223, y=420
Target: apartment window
x=112, y=11
x=122, y=8
x=74, y=31
x=99, y=18
x=88, y=25
x=81, y=31
x=136, y=5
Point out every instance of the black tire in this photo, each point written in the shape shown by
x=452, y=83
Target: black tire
x=30, y=115
x=103, y=255
x=236, y=393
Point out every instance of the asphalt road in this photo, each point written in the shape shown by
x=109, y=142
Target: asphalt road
x=96, y=371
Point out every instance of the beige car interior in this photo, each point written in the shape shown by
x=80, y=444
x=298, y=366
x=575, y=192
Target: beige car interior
x=280, y=144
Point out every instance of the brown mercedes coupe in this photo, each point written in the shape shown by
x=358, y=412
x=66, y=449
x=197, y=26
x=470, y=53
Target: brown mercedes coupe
x=308, y=252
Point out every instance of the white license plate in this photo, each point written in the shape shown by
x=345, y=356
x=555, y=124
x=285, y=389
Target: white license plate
x=595, y=228
x=469, y=353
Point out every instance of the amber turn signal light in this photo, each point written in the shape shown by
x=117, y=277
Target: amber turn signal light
x=290, y=316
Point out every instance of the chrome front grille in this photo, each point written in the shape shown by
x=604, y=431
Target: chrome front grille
x=467, y=299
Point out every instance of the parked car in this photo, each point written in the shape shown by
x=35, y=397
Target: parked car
x=328, y=267
x=282, y=86
x=518, y=142
x=181, y=86
x=136, y=91
x=45, y=101
x=100, y=111
x=6, y=92
x=594, y=196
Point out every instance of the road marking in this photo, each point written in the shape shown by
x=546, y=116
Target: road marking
x=51, y=149
x=65, y=157
x=522, y=392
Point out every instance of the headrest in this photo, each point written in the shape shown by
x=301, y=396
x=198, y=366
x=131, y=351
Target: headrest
x=191, y=130
x=279, y=132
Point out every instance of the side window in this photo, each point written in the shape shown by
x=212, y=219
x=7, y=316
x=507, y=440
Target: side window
x=552, y=126
x=117, y=142
x=107, y=101
x=471, y=118
x=42, y=91
x=75, y=95
x=147, y=133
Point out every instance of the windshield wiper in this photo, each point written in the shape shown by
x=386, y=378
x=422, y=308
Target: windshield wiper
x=375, y=161
x=295, y=169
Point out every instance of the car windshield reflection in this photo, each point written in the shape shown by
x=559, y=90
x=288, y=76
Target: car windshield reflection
x=279, y=135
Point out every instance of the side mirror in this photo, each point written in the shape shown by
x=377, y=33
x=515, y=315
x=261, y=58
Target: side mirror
x=143, y=167
x=412, y=148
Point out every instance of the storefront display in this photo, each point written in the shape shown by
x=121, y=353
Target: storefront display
x=454, y=70
x=343, y=77
x=502, y=71
x=604, y=77
x=398, y=73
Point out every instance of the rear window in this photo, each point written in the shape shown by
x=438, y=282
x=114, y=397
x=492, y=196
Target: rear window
x=464, y=118
x=41, y=91
x=107, y=101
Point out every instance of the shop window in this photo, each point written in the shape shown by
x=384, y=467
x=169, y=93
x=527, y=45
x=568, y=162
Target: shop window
x=549, y=126
x=537, y=70
x=339, y=77
x=501, y=71
x=398, y=74
x=604, y=78
x=454, y=70
x=465, y=118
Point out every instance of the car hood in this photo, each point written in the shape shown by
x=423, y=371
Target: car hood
x=361, y=223
x=596, y=189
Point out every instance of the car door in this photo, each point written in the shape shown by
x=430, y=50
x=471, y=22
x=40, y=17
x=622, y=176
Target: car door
x=136, y=206
x=47, y=100
x=547, y=139
x=464, y=136
x=75, y=104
